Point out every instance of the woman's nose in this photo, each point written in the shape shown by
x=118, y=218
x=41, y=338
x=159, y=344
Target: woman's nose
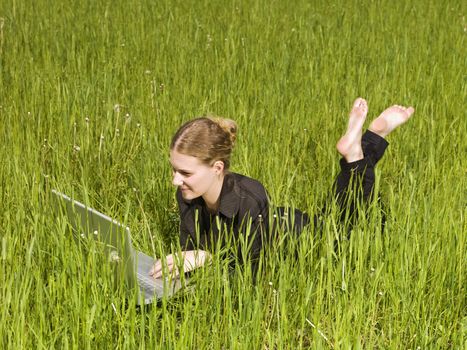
x=177, y=179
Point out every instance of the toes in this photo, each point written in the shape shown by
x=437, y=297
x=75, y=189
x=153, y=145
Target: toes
x=365, y=106
x=359, y=106
x=410, y=111
x=359, y=102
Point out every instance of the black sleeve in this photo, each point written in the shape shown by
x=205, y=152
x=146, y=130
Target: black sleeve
x=186, y=242
x=254, y=233
x=259, y=232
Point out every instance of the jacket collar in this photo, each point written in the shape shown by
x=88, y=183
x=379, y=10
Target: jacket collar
x=229, y=197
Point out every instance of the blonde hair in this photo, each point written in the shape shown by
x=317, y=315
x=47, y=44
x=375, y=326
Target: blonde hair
x=207, y=138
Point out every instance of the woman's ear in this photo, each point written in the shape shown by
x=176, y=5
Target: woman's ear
x=218, y=167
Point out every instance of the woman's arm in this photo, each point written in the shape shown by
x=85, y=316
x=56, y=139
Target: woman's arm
x=189, y=260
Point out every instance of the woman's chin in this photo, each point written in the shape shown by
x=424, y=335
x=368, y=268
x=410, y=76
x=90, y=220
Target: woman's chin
x=188, y=195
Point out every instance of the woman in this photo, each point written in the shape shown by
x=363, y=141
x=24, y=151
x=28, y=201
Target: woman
x=217, y=206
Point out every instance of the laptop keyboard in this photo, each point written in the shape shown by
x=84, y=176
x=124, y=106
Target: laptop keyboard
x=146, y=283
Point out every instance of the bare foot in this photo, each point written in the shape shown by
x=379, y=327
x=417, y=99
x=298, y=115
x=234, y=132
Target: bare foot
x=390, y=119
x=349, y=146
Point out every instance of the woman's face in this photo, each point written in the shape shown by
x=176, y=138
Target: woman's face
x=194, y=178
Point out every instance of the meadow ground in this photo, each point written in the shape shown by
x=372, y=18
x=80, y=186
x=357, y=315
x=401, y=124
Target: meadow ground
x=90, y=95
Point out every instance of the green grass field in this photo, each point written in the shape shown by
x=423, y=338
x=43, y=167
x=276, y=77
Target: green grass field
x=91, y=93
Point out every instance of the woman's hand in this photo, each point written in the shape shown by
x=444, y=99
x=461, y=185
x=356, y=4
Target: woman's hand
x=190, y=260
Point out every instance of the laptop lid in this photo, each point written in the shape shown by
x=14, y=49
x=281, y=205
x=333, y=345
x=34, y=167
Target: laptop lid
x=115, y=240
x=113, y=237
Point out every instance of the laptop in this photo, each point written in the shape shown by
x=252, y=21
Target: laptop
x=133, y=265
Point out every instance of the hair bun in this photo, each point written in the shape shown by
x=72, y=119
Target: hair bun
x=208, y=138
x=228, y=125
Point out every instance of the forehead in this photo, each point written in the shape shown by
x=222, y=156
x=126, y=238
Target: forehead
x=181, y=161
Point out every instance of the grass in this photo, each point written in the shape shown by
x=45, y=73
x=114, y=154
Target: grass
x=90, y=95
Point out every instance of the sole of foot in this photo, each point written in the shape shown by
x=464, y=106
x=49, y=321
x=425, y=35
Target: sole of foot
x=349, y=145
x=390, y=119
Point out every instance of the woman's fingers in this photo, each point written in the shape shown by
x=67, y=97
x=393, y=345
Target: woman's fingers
x=158, y=268
x=189, y=260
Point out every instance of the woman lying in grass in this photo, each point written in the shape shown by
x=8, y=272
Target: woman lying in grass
x=214, y=202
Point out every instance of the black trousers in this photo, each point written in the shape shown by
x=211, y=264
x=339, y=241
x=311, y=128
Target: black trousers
x=354, y=185
x=356, y=181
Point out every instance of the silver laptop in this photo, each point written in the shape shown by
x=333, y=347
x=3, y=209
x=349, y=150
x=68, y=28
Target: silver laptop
x=132, y=264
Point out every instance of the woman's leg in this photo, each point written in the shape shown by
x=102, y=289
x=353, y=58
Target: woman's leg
x=373, y=146
x=373, y=140
x=361, y=153
x=390, y=119
x=356, y=180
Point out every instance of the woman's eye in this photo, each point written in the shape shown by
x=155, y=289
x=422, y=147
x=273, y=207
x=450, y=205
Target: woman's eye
x=182, y=173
